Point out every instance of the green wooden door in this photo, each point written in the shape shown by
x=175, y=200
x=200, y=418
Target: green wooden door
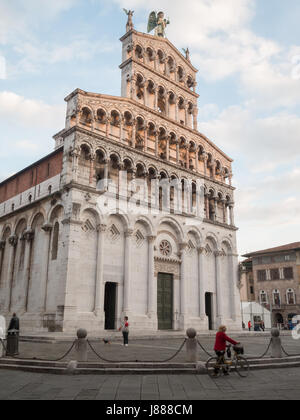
x=165, y=301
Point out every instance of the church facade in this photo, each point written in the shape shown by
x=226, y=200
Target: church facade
x=165, y=252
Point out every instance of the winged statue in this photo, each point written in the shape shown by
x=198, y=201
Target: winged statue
x=129, y=25
x=159, y=23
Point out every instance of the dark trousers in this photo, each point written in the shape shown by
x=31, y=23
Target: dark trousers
x=125, y=337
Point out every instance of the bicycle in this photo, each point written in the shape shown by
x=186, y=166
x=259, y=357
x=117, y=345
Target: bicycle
x=216, y=365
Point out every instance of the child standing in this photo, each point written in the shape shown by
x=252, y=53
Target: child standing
x=125, y=330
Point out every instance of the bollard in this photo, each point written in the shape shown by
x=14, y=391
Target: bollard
x=81, y=346
x=191, y=346
x=71, y=368
x=276, y=344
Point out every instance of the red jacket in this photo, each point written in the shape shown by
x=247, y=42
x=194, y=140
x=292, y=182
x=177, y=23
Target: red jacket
x=221, y=339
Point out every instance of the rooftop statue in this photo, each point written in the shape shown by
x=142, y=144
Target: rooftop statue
x=158, y=23
x=187, y=54
x=129, y=25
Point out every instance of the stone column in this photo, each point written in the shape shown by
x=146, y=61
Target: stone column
x=2, y=250
x=168, y=148
x=127, y=274
x=207, y=205
x=13, y=241
x=156, y=143
x=29, y=236
x=156, y=99
x=177, y=152
x=183, y=280
x=75, y=156
x=205, y=158
x=133, y=140
x=107, y=127
x=47, y=228
x=99, y=286
x=219, y=316
x=152, y=286
x=176, y=109
x=201, y=275
x=213, y=168
x=195, y=116
x=224, y=211
x=231, y=206
x=92, y=168
x=106, y=169
x=121, y=129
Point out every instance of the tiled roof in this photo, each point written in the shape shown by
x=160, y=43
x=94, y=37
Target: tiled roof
x=283, y=248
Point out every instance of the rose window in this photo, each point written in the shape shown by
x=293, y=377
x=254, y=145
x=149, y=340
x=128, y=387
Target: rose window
x=165, y=248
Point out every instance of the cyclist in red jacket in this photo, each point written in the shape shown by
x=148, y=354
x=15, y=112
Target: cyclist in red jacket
x=220, y=345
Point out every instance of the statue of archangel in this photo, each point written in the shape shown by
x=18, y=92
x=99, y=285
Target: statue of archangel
x=129, y=25
x=157, y=22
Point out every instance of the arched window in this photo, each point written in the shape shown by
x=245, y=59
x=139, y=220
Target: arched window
x=263, y=297
x=276, y=297
x=290, y=297
x=55, y=241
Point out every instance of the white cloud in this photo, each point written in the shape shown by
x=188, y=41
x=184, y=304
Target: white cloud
x=265, y=143
x=30, y=112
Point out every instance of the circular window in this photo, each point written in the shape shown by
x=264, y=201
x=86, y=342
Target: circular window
x=165, y=248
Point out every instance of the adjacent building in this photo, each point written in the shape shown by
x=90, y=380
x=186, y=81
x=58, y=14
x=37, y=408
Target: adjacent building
x=276, y=275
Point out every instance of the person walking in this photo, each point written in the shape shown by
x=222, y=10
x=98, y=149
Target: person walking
x=249, y=325
x=125, y=331
x=262, y=326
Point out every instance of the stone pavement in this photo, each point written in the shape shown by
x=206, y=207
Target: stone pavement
x=281, y=384
x=149, y=350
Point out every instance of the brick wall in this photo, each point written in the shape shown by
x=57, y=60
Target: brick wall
x=35, y=174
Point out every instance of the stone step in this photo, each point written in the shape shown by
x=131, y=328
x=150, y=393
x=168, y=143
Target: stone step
x=134, y=368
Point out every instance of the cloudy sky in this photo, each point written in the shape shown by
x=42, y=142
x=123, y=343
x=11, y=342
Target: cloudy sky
x=248, y=55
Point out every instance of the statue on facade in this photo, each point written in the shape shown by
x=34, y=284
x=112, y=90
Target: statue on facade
x=158, y=23
x=187, y=54
x=129, y=25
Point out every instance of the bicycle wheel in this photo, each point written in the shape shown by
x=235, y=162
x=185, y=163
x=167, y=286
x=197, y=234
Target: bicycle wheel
x=242, y=367
x=213, y=368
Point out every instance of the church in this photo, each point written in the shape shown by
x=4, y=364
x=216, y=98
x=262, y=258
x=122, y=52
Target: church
x=131, y=214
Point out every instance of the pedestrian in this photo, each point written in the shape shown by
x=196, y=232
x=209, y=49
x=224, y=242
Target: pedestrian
x=14, y=323
x=243, y=325
x=249, y=325
x=220, y=347
x=125, y=331
x=263, y=326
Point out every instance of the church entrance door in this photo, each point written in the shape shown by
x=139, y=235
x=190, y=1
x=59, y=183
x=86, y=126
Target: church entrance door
x=165, y=301
x=110, y=305
x=208, y=309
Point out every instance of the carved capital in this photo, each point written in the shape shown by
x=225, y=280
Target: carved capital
x=151, y=239
x=218, y=253
x=129, y=233
x=101, y=228
x=29, y=235
x=13, y=240
x=47, y=227
x=200, y=250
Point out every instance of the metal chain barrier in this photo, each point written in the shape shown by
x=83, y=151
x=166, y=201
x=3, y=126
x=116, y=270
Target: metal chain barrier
x=137, y=361
x=287, y=354
x=266, y=352
x=200, y=345
x=43, y=360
